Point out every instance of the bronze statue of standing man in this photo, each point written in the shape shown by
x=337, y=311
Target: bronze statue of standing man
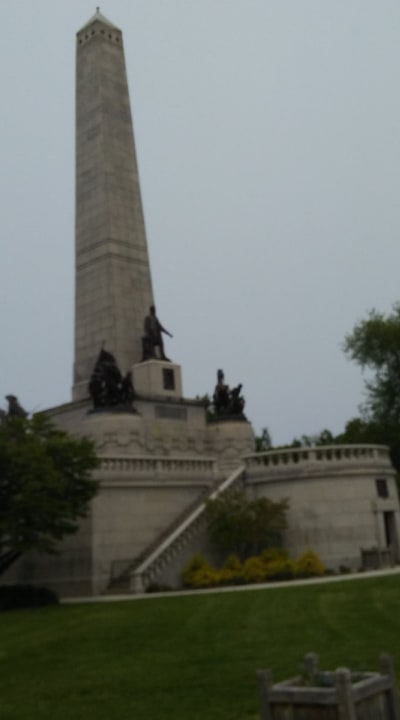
x=152, y=338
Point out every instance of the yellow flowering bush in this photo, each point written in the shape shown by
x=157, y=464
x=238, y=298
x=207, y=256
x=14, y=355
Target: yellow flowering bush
x=254, y=570
x=272, y=555
x=205, y=577
x=280, y=569
x=273, y=564
x=309, y=565
x=197, y=563
x=231, y=572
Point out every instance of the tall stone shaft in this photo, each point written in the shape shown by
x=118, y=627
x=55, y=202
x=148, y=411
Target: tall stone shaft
x=113, y=282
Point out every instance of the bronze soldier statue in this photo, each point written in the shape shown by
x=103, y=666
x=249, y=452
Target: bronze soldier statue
x=228, y=403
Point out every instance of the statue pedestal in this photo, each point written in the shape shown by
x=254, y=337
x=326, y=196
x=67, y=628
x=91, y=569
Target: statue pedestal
x=158, y=378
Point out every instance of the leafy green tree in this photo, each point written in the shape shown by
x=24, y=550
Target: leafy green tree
x=263, y=441
x=325, y=437
x=363, y=430
x=245, y=527
x=45, y=486
x=375, y=345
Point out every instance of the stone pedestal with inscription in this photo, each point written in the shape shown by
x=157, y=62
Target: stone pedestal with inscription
x=157, y=378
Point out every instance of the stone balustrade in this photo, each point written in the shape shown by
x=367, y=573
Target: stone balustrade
x=321, y=454
x=157, y=467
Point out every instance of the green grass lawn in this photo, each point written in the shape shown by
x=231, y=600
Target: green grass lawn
x=186, y=658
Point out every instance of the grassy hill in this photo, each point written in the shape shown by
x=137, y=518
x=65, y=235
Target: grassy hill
x=186, y=658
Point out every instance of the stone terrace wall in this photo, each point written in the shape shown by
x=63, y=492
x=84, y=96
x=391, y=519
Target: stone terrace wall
x=335, y=507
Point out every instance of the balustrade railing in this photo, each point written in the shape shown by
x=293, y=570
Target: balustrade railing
x=157, y=466
x=272, y=459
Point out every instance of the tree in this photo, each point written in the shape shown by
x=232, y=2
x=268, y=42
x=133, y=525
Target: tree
x=375, y=345
x=325, y=437
x=45, y=486
x=245, y=527
x=209, y=406
x=263, y=442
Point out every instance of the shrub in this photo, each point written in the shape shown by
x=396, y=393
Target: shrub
x=280, y=569
x=254, y=570
x=238, y=524
x=309, y=564
x=16, y=597
x=234, y=563
x=231, y=572
x=199, y=573
x=205, y=577
x=273, y=554
x=272, y=564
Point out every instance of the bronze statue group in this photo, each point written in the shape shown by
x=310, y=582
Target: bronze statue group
x=108, y=388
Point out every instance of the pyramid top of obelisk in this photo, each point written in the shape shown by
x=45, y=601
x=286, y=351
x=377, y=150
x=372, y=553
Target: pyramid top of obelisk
x=99, y=17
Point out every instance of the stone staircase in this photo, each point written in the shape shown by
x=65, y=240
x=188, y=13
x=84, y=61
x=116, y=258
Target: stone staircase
x=121, y=582
x=172, y=547
x=147, y=567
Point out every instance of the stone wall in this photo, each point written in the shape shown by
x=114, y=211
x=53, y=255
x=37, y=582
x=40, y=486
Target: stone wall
x=341, y=500
x=334, y=502
x=129, y=517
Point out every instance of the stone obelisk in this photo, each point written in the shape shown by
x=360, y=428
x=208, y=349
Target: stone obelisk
x=113, y=281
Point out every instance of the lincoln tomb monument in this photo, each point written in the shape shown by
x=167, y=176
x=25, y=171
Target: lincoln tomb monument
x=161, y=458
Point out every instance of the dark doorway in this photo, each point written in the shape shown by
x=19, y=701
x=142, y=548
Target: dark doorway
x=390, y=532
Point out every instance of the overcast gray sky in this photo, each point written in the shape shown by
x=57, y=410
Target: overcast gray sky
x=268, y=139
